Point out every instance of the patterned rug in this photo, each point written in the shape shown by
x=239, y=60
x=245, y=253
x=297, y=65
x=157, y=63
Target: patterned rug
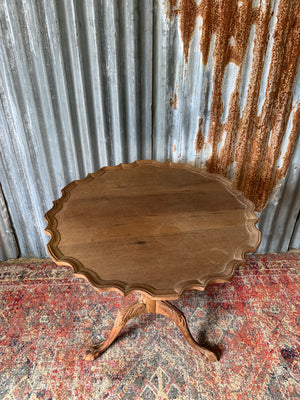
x=48, y=318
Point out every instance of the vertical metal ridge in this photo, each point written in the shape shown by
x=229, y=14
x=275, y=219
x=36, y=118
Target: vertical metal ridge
x=8, y=245
x=114, y=105
x=172, y=72
x=128, y=75
x=160, y=149
x=52, y=48
x=71, y=35
x=103, y=48
x=94, y=83
x=144, y=95
x=83, y=20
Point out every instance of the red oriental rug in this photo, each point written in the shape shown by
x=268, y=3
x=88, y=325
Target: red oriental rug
x=48, y=318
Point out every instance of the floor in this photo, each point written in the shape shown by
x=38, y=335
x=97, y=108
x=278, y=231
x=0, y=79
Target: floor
x=48, y=318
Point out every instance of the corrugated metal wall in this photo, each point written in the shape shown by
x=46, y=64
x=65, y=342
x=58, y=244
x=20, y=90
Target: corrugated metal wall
x=90, y=83
x=280, y=221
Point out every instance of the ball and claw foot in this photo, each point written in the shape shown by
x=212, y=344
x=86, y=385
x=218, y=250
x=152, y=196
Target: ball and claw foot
x=169, y=310
x=94, y=352
x=209, y=356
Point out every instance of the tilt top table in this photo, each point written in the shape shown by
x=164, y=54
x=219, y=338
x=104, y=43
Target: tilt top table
x=153, y=228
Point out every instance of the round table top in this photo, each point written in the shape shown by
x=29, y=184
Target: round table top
x=150, y=227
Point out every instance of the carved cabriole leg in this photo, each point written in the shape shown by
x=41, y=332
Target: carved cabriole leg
x=132, y=310
x=169, y=310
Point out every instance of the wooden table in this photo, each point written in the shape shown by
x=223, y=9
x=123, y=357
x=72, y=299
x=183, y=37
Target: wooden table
x=154, y=228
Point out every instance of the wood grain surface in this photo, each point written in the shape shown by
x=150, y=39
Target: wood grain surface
x=155, y=228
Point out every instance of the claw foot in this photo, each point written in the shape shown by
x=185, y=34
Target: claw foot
x=94, y=351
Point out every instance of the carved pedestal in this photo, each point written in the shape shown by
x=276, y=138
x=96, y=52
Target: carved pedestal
x=143, y=306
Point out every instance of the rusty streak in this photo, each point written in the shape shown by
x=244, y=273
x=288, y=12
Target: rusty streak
x=172, y=8
x=199, y=141
x=292, y=140
x=188, y=11
x=260, y=177
x=173, y=103
x=252, y=142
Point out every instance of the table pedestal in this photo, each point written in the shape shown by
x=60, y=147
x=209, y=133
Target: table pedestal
x=143, y=306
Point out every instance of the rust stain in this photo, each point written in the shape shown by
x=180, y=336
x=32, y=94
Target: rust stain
x=252, y=142
x=292, y=140
x=172, y=8
x=214, y=15
x=236, y=22
x=209, y=13
x=173, y=103
x=188, y=11
x=261, y=173
x=199, y=141
x=240, y=130
x=174, y=148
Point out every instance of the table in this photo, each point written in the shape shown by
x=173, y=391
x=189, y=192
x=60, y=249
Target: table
x=152, y=228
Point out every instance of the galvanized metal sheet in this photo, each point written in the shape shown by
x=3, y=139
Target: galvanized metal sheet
x=228, y=97
x=279, y=221
x=88, y=83
x=71, y=99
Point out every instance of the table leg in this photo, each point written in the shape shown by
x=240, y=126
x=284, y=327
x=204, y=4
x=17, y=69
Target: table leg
x=144, y=306
x=169, y=310
x=124, y=315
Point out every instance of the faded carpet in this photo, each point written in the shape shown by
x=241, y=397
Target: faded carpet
x=48, y=318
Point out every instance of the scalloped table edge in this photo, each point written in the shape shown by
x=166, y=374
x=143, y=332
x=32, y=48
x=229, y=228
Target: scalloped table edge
x=124, y=288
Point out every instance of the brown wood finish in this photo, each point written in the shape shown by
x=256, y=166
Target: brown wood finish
x=144, y=306
x=154, y=228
